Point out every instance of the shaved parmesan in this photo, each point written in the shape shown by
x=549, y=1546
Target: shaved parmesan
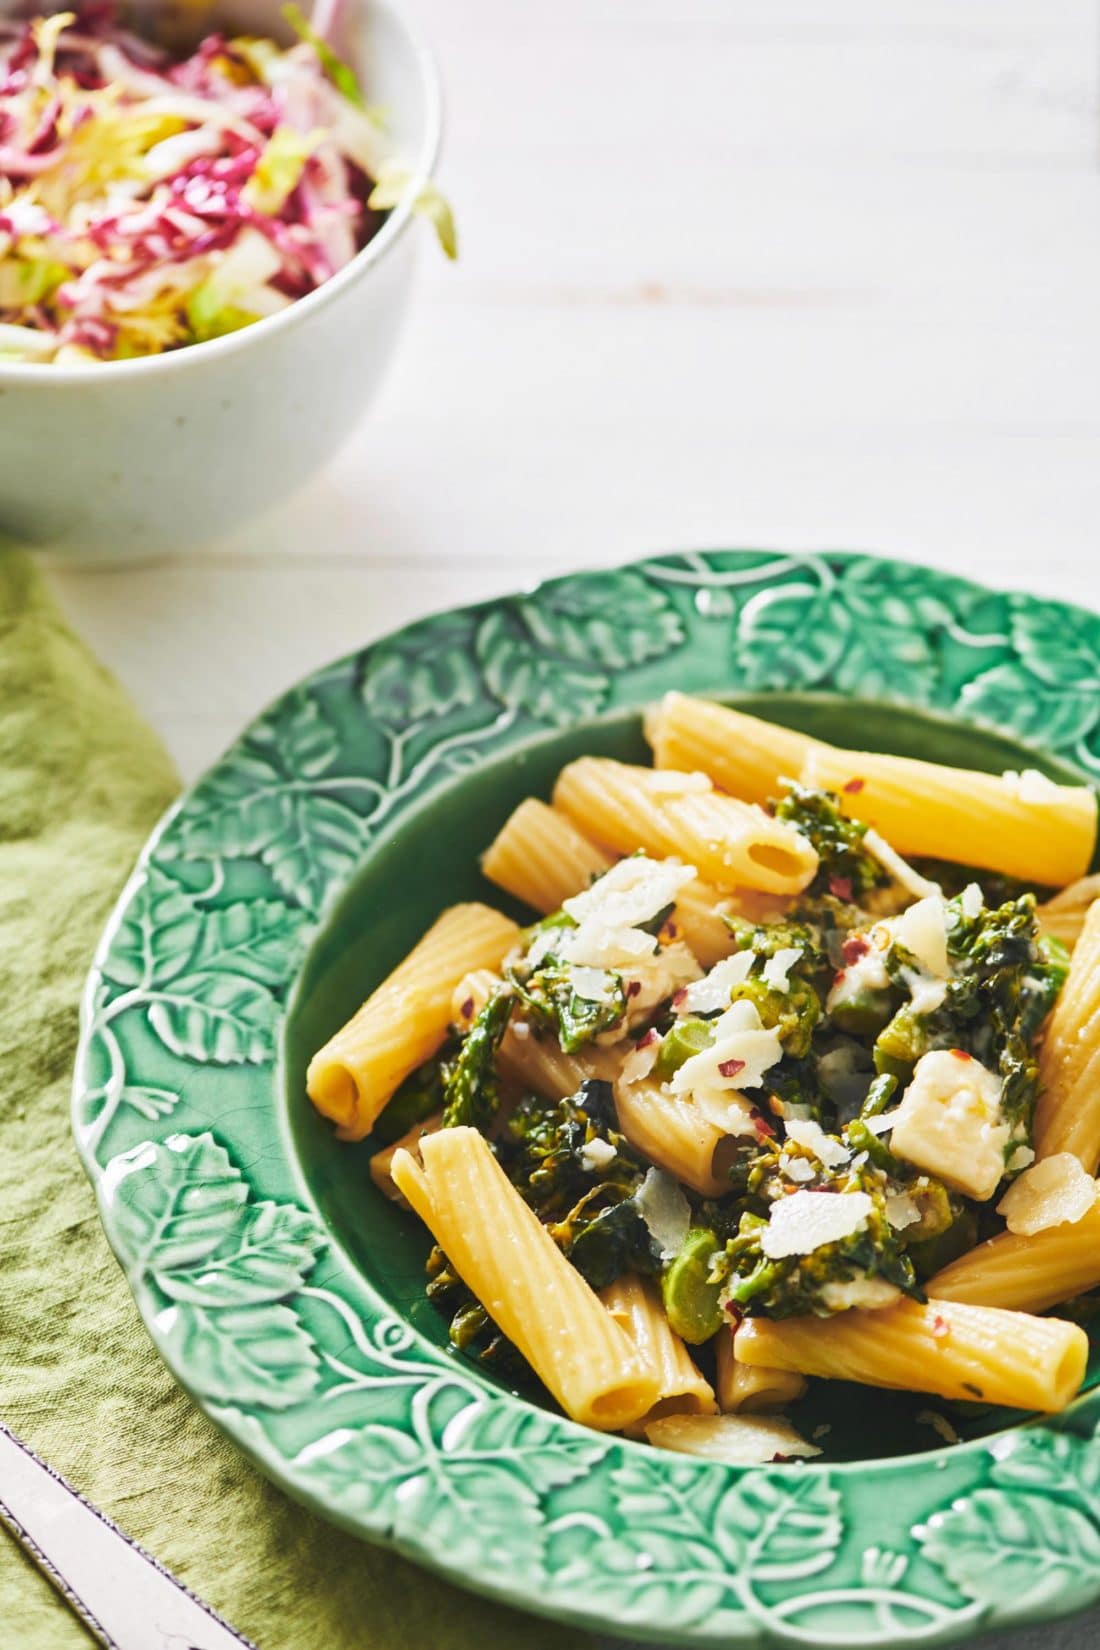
x=971, y=901
x=1030, y=785
x=920, y=928
x=1056, y=1192
x=804, y=1221
x=641, y=1060
x=950, y=1122
x=742, y=1051
x=595, y=985
x=865, y=1293
x=1021, y=1158
x=884, y=1122
x=713, y=991
x=827, y=1149
x=776, y=970
x=902, y=1211
x=597, y=1154
x=900, y=869
x=610, y=914
x=796, y=1169
x=728, y=1111
x=665, y=1210
x=738, y=1440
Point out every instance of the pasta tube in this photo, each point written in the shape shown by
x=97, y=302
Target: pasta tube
x=1041, y=832
x=751, y=1387
x=541, y=857
x=1063, y=917
x=672, y=1132
x=742, y=754
x=1026, y=1274
x=1067, y=1118
x=731, y=844
x=954, y=1350
x=381, y=1163
x=503, y=1253
x=405, y=1020
x=682, y=1390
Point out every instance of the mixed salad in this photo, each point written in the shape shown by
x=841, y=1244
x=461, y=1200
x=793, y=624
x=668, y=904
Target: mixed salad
x=148, y=203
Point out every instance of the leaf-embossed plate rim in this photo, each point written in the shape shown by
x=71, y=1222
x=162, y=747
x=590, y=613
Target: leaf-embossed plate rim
x=282, y=1340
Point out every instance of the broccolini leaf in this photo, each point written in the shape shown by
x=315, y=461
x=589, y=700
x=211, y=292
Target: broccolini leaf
x=471, y=1095
x=846, y=869
x=551, y=995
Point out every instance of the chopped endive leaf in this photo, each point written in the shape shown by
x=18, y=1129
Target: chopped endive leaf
x=341, y=74
x=397, y=182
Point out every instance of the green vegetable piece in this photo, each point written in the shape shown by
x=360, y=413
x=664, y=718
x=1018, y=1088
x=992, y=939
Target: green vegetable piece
x=845, y=868
x=683, y=1040
x=793, y=1013
x=863, y=1015
x=342, y=76
x=616, y=1241
x=470, y=1093
x=691, y=1301
x=419, y=1095
x=900, y=1044
x=551, y=996
x=879, y=1096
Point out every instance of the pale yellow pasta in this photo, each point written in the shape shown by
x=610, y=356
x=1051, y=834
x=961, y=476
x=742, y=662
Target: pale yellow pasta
x=954, y=1350
x=1063, y=917
x=541, y=858
x=1068, y=1115
x=504, y=1254
x=381, y=1163
x=730, y=843
x=672, y=1132
x=1045, y=835
x=405, y=1020
x=682, y=1390
x=746, y=756
x=1026, y=1274
x=751, y=1387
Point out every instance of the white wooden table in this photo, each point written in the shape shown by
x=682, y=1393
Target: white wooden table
x=733, y=272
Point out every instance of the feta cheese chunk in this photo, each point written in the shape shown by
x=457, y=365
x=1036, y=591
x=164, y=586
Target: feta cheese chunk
x=804, y=1221
x=1056, y=1192
x=950, y=1123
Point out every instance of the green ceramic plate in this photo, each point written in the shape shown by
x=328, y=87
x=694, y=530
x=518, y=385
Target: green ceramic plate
x=286, y=1296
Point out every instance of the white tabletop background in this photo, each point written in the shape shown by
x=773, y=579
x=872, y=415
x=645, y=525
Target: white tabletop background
x=733, y=272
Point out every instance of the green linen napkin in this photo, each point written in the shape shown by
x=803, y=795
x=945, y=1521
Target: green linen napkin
x=82, y=781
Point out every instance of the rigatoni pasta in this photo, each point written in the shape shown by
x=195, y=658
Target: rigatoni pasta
x=955, y=1351
x=748, y=757
x=702, y=1132
x=505, y=1255
x=731, y=844
x=1068, y=1117
x=404, y=1021
x=1019, y=824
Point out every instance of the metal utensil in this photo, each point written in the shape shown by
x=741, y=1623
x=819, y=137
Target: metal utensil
x=124, y=1597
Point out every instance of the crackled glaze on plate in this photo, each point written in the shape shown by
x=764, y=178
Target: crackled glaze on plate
x=264, y=1316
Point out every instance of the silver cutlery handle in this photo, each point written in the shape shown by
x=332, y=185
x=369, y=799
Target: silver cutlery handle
x=121, y=1594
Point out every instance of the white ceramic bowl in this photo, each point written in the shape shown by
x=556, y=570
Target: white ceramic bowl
x=137, y=458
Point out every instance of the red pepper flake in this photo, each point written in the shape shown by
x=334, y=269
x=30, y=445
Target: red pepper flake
x=633, y=988
x=841, y=887
x=731, y=1068
x=680, y=998
x=838, y=979
x=854, y=786
x=764, y=1130
x=855, y=947
x=650, y=1037
x=940, y=1327
x=467, y=1009
x=671, y=930
x=735, y=1314
x=960, y=1054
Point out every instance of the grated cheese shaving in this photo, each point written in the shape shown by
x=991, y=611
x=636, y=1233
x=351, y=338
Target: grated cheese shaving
x=776, y=971
x=597, y=1154
x=666, y=1211
x=827, y=1149
x=900, y=869
x=742, y=1051
x=804, y=1221
x=738, y=1440
x=1030, y=785
x=1055, y=1192
x=712, y=992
